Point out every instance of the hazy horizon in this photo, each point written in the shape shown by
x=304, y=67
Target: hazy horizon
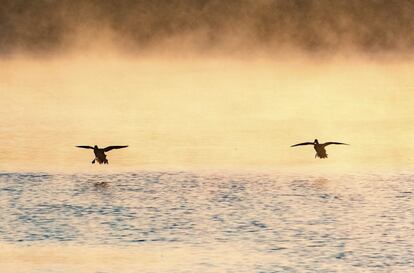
x=206, y=84
x=204, y=112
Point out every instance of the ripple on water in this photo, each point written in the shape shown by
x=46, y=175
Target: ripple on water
x=311, y=223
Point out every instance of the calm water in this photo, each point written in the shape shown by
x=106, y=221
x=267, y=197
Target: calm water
x=272, y=222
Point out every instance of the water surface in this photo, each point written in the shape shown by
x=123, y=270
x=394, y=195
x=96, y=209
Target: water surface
x=206, y=222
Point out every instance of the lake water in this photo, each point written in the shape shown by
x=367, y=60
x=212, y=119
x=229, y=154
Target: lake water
x=206, y=222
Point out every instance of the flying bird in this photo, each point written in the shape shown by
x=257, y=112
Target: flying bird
x=100, y=155
x=319, y=147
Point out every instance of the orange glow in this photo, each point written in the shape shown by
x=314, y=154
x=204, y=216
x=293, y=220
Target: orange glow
x=204, y=113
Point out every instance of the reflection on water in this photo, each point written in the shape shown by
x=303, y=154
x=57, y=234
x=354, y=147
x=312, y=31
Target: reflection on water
x=224, y=222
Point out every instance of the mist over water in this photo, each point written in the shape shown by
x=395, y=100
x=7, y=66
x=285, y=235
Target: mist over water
x=275, y=221
x=251, y=27
x=210, y=85
x=204, y=113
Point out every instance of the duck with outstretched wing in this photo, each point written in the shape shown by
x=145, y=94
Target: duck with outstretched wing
x=319, y=147
x=100, y=155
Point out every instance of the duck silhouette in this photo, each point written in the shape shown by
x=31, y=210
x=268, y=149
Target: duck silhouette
x=319, y=147
x=100, y=155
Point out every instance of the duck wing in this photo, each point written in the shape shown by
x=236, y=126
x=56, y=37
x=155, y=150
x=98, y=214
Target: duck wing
x=85, y=147
x=301, y=144
x=107, y=149
x=338, y=143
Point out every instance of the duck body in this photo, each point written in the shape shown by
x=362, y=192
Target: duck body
x=320, y=151
x=100, y=156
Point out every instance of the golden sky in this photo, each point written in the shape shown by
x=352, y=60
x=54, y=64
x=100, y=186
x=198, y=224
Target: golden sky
x=206, y=84
x=204, y=112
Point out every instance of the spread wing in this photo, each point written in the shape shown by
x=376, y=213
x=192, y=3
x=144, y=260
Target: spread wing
x=85, y=147
x=301, y=144
x=338, y=143
x=107, y=149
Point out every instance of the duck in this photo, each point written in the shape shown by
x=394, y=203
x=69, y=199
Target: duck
x=100, y=155
x=319, y=147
